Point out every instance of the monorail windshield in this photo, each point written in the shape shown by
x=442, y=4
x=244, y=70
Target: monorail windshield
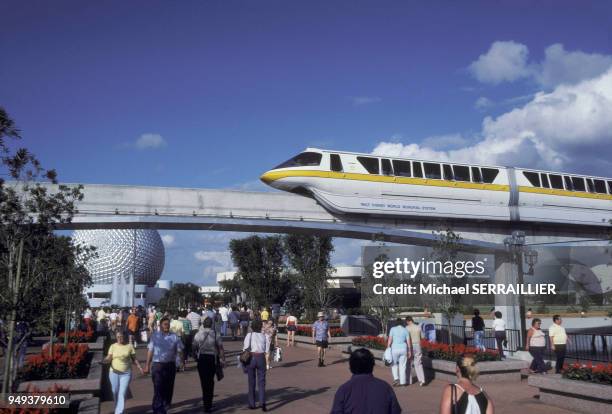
x=304, y=159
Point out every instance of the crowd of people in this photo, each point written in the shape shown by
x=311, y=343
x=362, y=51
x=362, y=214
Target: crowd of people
x=171, y=339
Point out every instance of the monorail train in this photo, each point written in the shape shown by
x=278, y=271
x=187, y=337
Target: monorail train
x=352, y=183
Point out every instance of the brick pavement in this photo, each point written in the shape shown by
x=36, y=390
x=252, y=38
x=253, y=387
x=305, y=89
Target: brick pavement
x=297, y=385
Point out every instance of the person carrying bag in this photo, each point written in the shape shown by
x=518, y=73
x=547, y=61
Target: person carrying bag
x=211, y=358
x=253, y=359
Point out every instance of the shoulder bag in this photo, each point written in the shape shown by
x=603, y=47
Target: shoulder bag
x=245, y=356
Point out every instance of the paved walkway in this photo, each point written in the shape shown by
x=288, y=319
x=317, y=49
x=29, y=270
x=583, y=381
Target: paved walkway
x=297, y=385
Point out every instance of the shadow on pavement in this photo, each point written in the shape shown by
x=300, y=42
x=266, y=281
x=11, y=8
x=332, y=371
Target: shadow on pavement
x=276, y=398
x=293, y=363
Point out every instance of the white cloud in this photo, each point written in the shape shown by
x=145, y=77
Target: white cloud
x=214, y=262
x=508, y=62
x=150, y=141
x=560, y=66
x=168, y=240
x=364, y=100
x=504, y=61
x=483, y=103
x=569, y=128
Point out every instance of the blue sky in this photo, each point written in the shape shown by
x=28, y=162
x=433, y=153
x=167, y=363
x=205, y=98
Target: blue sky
x=211, y=94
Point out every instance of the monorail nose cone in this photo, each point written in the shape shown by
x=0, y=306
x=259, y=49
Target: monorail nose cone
x=266, y=177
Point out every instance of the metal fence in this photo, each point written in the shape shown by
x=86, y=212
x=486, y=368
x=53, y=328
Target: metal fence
x=465, y=335
x=594, y=347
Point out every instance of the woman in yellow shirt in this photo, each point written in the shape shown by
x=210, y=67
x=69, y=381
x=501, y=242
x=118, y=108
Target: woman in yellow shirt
x=121, y=356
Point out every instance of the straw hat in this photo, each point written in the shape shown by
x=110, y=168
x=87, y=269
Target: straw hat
x=320, y=314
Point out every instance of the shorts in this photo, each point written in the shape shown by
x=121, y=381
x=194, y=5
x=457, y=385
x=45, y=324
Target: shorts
x=133, y=333
x=322, y=344
x=291, y=328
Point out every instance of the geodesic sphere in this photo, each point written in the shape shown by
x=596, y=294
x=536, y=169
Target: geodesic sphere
x=119, y=254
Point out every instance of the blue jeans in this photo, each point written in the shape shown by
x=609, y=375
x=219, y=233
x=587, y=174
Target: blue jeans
x=224, y=328
x=256, y=371
x=478, y=335
x=119, y=383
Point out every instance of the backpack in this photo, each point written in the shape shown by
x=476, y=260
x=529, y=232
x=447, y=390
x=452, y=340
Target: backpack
x=472, y=405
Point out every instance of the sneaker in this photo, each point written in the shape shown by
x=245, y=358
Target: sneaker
x=421, y=384
x=395, y=383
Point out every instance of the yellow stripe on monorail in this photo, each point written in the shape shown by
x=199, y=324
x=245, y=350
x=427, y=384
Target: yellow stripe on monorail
x=271, y=176
x=277, y=175
x=564, y=193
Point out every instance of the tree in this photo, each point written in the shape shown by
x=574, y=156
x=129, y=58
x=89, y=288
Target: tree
x=310, y=257
x=446, y=251
x=181, y=297
x=380, y=306
x=259, y=261
x=29, y=212
x=64, y=279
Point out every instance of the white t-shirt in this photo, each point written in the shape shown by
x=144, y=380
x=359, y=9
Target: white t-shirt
x=499, y=324
x=113, y=316
x=223, y=311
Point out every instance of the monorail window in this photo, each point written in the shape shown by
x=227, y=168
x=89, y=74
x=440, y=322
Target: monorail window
x=545, y=182
x=462, y=173
x=402, y=168
x=533, y=177
x=578, y=183
x=448, y=172
x=610, y=187
x=590, y=185
x=305, y=159
x=556, y=181
x=336, y=163
x=417, y=168
x=386, y=167
x=476, y=176
x=432, y=170
x=370, y=164
x=600, y=186
x=568, y=183
x=489, y=174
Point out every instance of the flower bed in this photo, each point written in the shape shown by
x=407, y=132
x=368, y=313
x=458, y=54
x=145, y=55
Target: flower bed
x=78, y=336
x=71, y=361
x=446, y=352
x=599, y=374
x=373, y=342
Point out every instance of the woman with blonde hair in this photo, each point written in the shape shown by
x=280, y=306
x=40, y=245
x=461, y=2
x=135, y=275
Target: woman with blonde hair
x=465, y=397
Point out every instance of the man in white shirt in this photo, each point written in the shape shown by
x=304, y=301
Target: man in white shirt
x=195, y=319
x=558, y=342
x=223, y=312
x=499, y=326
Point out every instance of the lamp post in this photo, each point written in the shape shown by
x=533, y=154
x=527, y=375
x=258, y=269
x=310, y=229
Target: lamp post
x=515, y=245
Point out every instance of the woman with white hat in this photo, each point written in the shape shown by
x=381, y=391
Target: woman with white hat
x=320, y=336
